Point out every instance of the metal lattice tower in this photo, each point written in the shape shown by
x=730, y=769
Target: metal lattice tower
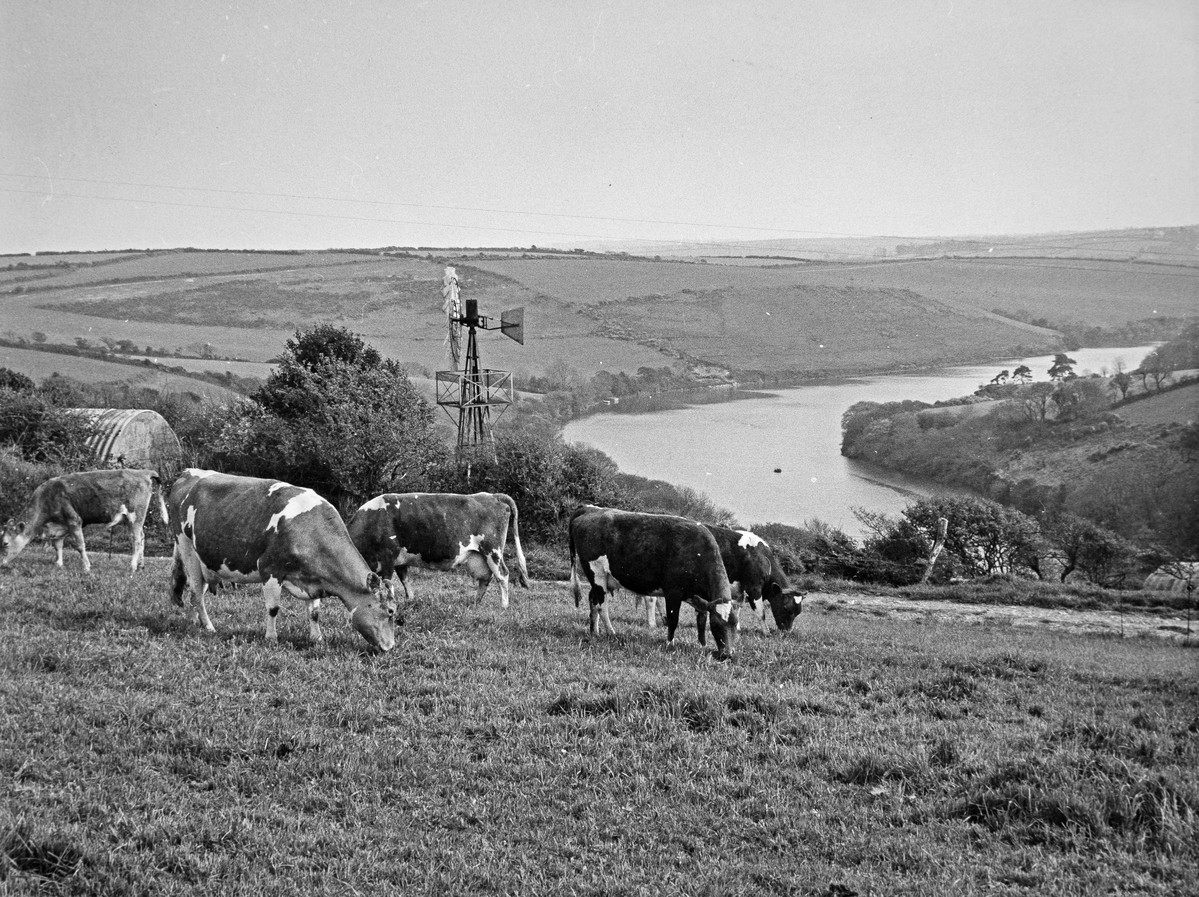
x=474, y=391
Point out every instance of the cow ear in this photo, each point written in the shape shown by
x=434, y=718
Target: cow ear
x=374, y=582
x=773, y=590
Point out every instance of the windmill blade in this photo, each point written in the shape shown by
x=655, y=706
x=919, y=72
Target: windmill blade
x=452, y=305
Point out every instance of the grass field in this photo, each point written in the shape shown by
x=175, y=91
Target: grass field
x=507, y=752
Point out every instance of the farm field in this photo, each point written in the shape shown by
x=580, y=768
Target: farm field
x=1096, y=292
x=596, y=312
x=508, y=752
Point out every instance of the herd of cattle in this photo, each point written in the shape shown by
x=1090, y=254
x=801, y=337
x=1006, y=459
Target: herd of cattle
x=238, y=529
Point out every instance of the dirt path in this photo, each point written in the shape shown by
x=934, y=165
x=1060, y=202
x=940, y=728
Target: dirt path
x=1099, y=622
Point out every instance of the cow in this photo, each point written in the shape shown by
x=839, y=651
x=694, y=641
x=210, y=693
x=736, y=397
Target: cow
x=441, y=531
x=756, y=576
x=64, y=505
x=245, y=529
x=647, y=553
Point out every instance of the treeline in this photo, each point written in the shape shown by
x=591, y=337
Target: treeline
x=1077, y=334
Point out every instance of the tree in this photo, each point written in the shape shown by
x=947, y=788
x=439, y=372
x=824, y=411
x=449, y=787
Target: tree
x=1023, y=373
x=1154, y=367
x=17, y=382
x=1001, y=377
x=1035, y=400
x=337, y=417
x=43, y=432
x=1062, y=367
x=38, y=337
x=983, y=536
x=1121, y=382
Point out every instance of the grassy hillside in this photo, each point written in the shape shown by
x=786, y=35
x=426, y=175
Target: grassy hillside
x=595, y=312
x=507, y=752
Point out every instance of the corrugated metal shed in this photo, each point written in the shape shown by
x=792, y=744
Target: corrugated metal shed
x=1165, y=580
x=132, y=437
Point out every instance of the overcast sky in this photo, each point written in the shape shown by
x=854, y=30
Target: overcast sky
x=323, y=124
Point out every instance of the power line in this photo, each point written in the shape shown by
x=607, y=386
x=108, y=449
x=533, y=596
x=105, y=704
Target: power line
x=414, y=205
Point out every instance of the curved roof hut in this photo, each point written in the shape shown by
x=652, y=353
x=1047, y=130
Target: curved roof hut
x=131, y=437
x=1174, y=577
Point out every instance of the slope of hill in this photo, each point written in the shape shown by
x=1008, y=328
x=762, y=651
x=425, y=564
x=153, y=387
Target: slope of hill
x=1130, y=470
x=593, y=312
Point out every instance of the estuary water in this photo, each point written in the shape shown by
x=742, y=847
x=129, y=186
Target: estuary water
x=778, y=459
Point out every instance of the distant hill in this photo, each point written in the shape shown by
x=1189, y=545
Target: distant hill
x=783, y=319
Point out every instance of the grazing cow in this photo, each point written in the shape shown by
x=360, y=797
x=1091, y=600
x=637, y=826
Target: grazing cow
x=440, y=530
x=647, y=553
x=244, y=529
x=64, y=505
x=756, y=576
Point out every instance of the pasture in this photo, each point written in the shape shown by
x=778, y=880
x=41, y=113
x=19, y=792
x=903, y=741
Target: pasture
x=507, y=752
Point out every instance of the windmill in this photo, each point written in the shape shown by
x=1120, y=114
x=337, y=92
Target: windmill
x=474, y=391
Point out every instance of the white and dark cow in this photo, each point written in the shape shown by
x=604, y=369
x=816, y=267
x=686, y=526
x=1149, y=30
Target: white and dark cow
x=441, y=531
x=64, y=505
x=648, y=553
x=244, y=529
x=756, y=576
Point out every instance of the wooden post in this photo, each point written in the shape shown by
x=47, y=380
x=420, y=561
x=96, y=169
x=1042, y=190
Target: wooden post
x=942, y=530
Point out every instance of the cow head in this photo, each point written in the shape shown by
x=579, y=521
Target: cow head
x=785, y=604
x=376, y=619
x=13, y=539
x=722, y=618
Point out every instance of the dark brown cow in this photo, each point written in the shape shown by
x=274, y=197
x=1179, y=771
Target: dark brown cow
x=243, y=529
x=64, y=505
x=647, y=553
x=440, y=530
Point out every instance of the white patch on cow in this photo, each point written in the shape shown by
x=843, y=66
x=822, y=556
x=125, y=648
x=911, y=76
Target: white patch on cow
x=405, y=557
x=275, y=487
x=465, y=551
x=749, y=540
x=199, y=474
x=306, y=500
x=723, y=610
x=378, y=503
x=603, y=574
x=189, y=525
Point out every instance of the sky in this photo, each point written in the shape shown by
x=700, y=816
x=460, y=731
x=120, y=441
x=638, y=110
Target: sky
x=273, y=125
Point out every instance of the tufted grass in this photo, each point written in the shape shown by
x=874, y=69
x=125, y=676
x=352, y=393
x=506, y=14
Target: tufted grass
x=507, y=752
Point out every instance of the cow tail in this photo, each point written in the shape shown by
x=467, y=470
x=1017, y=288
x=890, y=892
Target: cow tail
x=574, y=576
x=522, y=569
x=156, y=485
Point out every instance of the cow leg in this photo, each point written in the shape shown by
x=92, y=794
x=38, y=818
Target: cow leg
x=272, y=591
x=201, y=599
x=314, y=621
x=672, y=617
x=402, y=575
x=188, y=574
x=497, y=570
x=139, y=544
x=597, y=598
x=651, y=611
x=701, y=626
x=58, y=549
x=77, y=535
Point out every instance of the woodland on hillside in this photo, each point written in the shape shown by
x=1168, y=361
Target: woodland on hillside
x=1118, y=451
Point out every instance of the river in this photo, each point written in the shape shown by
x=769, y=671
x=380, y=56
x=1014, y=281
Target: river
x=778, y=459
